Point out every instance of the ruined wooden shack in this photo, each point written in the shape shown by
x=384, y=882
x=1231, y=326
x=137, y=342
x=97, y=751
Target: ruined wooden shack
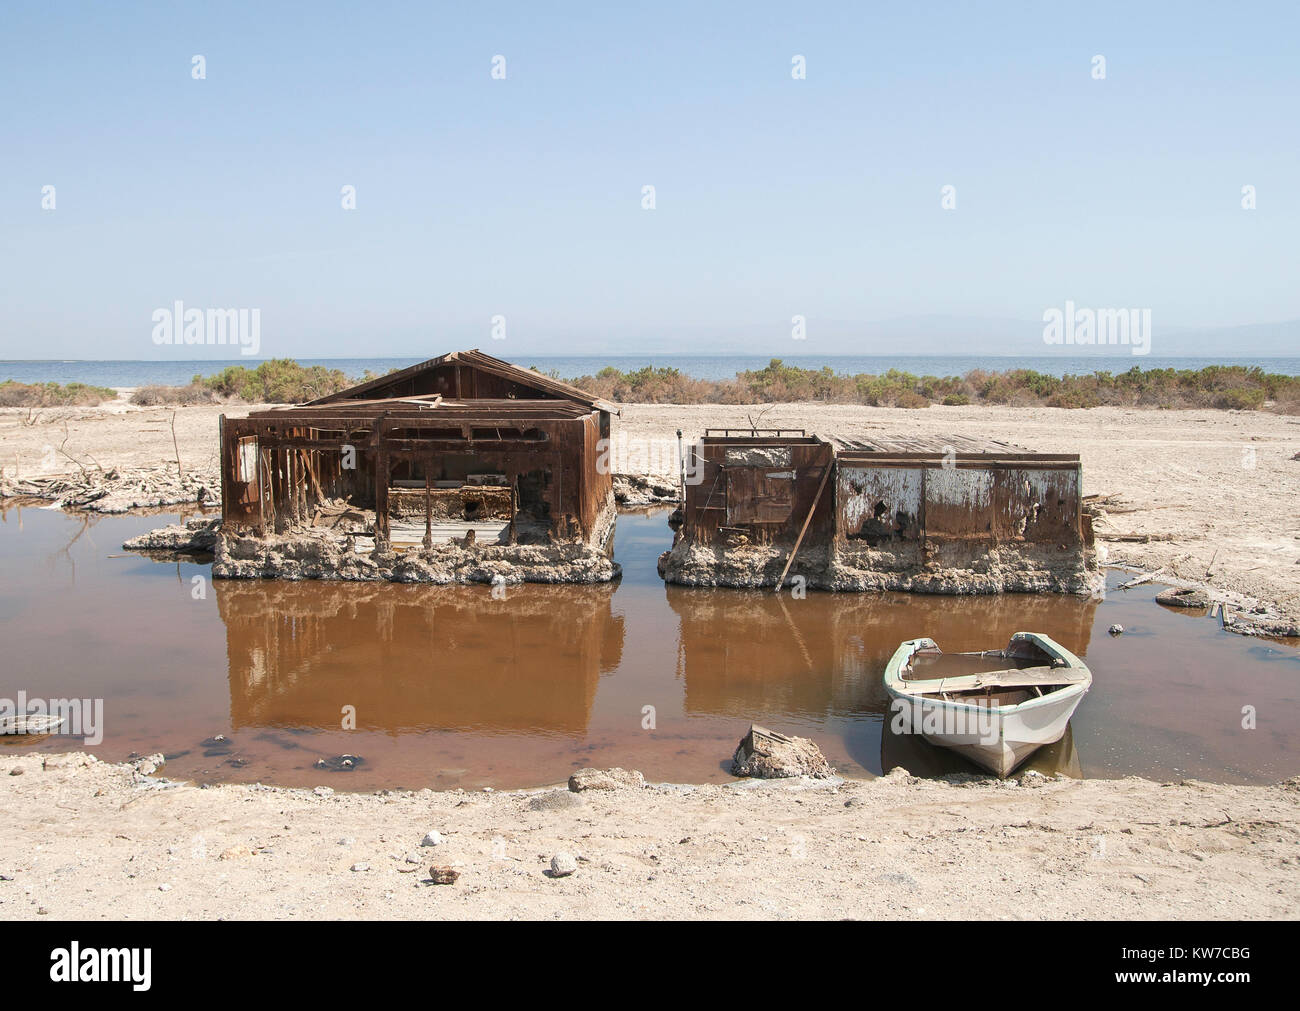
x=464, y=449
x=950, y=514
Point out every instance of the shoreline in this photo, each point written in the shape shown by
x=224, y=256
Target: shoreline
x=129, y=845
x=1199, y=498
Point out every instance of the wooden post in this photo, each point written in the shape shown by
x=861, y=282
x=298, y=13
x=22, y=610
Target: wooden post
x=428, y=503
x=262, y=478
x=381, y=494
x=807, y=520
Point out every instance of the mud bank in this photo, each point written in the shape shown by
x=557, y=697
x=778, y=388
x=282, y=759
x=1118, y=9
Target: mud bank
x=130, y=845
x=645, y=490
x=951, y=569
x=114, y=491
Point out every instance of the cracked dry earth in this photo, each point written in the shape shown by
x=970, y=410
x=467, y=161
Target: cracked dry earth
x=84, y=839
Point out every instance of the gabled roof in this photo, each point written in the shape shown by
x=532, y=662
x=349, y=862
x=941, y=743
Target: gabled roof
x=478, y=360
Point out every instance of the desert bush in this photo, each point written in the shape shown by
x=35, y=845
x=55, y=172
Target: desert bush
x=185, y=396
x=1224, y=386
x=16, y=394
x=278, y=381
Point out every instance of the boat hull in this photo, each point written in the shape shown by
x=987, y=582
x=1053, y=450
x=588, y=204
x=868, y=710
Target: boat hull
x=996, y=738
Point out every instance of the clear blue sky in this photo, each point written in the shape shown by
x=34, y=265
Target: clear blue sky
x=522, y=197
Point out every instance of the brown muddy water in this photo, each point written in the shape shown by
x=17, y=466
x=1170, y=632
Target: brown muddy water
x=454, y=688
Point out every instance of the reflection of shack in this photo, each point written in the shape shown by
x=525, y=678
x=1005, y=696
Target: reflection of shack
x=465, y=453
x=934, y=515
x=416, y=657
x=823, y=656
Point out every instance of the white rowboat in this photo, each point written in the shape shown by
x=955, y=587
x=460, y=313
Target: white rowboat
x=996, y=718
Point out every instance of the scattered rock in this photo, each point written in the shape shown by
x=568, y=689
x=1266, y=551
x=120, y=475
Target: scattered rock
x=605, y=779
x=323, y=791
x=340, y=763
x=164, y=888
x=443, y=875
x=767, y=755
x=217, y=746
x=1178, y=596
x=148, y=765
x=563, y=864
x=432, y=839
x=235, y=853
x=17, y=770
x=555, y=800
x=361, y=867
x=1116, y=630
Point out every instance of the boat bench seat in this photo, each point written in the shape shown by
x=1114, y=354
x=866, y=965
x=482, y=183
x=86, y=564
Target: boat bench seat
x=1025, y=677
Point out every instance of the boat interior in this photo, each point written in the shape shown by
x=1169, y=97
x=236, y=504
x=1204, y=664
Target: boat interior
x=1007, y=677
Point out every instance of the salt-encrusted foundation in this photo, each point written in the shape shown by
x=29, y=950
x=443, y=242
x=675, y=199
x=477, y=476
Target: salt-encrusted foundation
x=952, y=568
x=309, y=553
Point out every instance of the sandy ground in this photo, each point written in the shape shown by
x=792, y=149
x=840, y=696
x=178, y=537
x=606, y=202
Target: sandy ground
x=84, y=839
x=1221, y=486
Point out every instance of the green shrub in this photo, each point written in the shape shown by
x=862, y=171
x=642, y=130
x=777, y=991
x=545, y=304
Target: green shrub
x=16, y=394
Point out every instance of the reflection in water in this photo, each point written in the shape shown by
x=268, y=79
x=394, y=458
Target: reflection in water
x=750, y=653
x=818, y=661
x=412, y=658
x=453, y=687
x=921, y=758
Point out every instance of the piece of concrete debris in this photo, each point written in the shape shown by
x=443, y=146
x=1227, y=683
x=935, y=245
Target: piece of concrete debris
x=339, y=763
x=605, y=779
x=361, y=867
x=443, y=875
x=764, y=754
x=1178, y=596
x=195, y=536
x=563, y=864
x=1116, y=630
x=432, y=839
x=148, y=765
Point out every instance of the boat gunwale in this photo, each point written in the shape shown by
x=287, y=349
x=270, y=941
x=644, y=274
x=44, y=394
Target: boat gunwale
x=893, y=676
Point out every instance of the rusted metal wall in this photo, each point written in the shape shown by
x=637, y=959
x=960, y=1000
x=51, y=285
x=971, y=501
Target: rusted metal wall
x=762, y=487
x=878, y=501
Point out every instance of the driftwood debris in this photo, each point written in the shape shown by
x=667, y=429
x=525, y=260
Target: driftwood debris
x=115, y=490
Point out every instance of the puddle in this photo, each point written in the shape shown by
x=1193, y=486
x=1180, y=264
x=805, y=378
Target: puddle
x=451, y=687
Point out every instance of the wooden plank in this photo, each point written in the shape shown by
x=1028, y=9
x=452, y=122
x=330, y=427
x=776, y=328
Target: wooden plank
x=807, y=520
x=1025, y=677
